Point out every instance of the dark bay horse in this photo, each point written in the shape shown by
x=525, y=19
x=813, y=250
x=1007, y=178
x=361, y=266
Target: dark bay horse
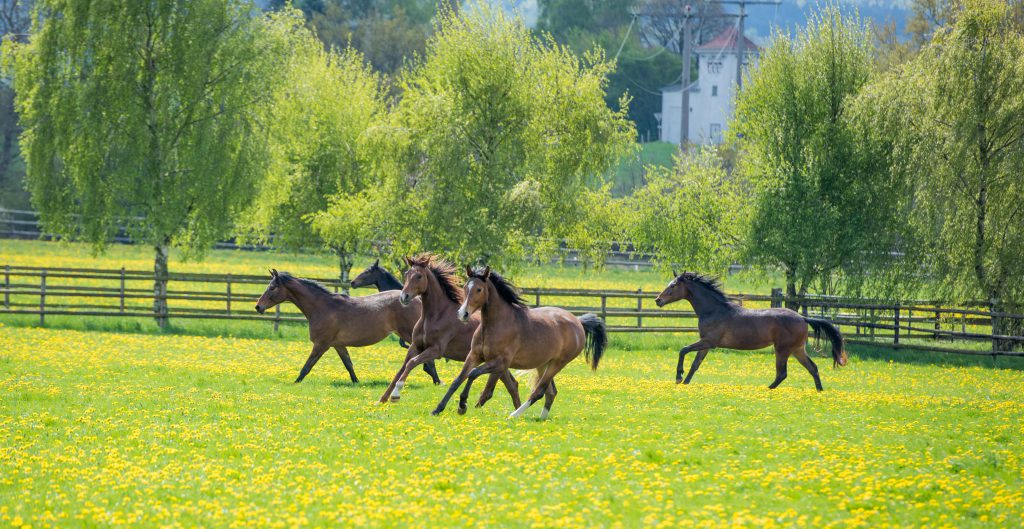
x=723, y=323
x=513, y=335
x=337, y=320
x=377, y=276
x=439, y=332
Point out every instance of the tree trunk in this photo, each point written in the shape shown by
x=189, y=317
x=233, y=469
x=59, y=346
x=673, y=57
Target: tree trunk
x=791, y=302
x=1006, y=326
x=160, y=285
x=344, y=266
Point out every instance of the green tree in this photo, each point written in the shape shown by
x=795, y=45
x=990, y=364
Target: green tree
x=821, y=215
x=320, y=148
x=960, y=108
x=693, y=213
x=147, y=115
x=499, y=139
x=14, y=26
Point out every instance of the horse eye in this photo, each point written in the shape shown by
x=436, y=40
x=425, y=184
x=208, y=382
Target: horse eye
x=479, y=290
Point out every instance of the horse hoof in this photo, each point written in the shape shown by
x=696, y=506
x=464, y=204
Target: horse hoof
x=462, y=410
x=395, y=398
x=438, y=382
x=436, y=413
x=679, y=381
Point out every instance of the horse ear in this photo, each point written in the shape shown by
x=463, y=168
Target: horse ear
x=377, y=262
x=273, y=272
x=469, y=271
x=674, y=274
x=487, y=272
x=408, y=260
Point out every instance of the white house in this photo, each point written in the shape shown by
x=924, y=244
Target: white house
x=711, y=95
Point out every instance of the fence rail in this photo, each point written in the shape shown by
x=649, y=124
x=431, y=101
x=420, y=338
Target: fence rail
x=909, y=324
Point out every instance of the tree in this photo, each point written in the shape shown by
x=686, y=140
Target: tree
x=147, y=115
x=14, y=26
x=319, y=142
x=959, y=106
x=821, y=213
x=499, y=140
x=691, y=214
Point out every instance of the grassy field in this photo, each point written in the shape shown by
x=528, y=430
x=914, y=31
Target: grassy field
x=101, y=429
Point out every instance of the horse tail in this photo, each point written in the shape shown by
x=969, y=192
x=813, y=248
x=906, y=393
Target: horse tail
x=832, y=333
x=596, y=340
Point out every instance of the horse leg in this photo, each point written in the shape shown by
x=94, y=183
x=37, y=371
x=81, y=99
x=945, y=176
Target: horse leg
x=510, y=384
x=549, y=396
x=409, y=355
x=314, y=357
x=696, y=363
x=345, y=359
x=809, y=365
x=493, y=365
x=696, y=346
x=471, y=361
x=781, y=359
x=431, y=370
x=430, y=354
x=538, y=390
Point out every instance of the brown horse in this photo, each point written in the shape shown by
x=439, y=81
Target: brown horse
x=723, y=323
x=340, y=321
x=439, y=333
x=512, y=335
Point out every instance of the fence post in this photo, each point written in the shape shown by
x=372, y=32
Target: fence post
x=42, y=298
x=639, y=307
x=122, y=289
x=604, y=308
x=938, y=326
x=229, y=294
x=896, y=325
x=537, y=302
x=7, y=286
x=776, y=298
x=277, y=316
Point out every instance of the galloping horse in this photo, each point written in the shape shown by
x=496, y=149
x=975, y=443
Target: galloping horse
x=722, y=323
x=337, y=320
x=512, y=335
x=377, y=276
x=439, y=333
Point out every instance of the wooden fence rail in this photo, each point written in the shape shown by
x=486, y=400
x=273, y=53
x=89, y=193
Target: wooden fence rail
x=931, y=325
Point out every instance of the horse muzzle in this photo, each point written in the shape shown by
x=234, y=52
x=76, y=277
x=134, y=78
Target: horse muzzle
x=659, y=302
x=463, y=315
x=404, y=299
x=260, y=309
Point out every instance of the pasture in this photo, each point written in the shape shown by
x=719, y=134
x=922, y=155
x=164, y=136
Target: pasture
x=102, y=429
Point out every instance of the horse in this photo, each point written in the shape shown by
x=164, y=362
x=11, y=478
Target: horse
x=439, y=333
x=723, y=323
x=513, y=335
x=337, y=320
x=377, y=276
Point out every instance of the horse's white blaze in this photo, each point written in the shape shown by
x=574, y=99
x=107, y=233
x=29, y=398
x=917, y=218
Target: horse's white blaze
x=544, y=413
x=397, y=392
x=520, y=411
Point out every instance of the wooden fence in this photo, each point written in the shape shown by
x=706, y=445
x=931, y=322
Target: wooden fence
x=916, y=324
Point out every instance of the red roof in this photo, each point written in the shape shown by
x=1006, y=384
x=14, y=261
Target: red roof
x=726, y=40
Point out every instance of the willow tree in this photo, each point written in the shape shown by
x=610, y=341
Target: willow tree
x=821, y=215
x=958, y=108
x=498, y=137
x=320, y=145
x=148, y=116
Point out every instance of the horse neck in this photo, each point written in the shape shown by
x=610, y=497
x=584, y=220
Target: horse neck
x=704, y=303
x=388, y=282
x=434, y=299
x=497, y=309
x=308, y=301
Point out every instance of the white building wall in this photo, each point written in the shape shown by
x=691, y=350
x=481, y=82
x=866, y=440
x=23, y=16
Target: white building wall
x=711, y=101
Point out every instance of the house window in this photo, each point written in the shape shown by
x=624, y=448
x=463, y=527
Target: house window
x=714, y=90
x=716, y=132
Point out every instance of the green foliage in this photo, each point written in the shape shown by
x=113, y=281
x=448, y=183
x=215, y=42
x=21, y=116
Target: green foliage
x=320, y=124
x=692, y=214
x=145, y=114
x=499, y=140
x=824, y=212
x=959, y=107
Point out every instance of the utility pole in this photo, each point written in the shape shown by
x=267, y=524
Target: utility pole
x=739, y=46
x=684, y=110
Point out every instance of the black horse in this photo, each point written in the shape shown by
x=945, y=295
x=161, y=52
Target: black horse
x=377, y=276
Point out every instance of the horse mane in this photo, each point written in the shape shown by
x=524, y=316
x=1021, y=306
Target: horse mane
x=506, y=290
x=316, y=286
x=711, y=284
x=443, y=270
